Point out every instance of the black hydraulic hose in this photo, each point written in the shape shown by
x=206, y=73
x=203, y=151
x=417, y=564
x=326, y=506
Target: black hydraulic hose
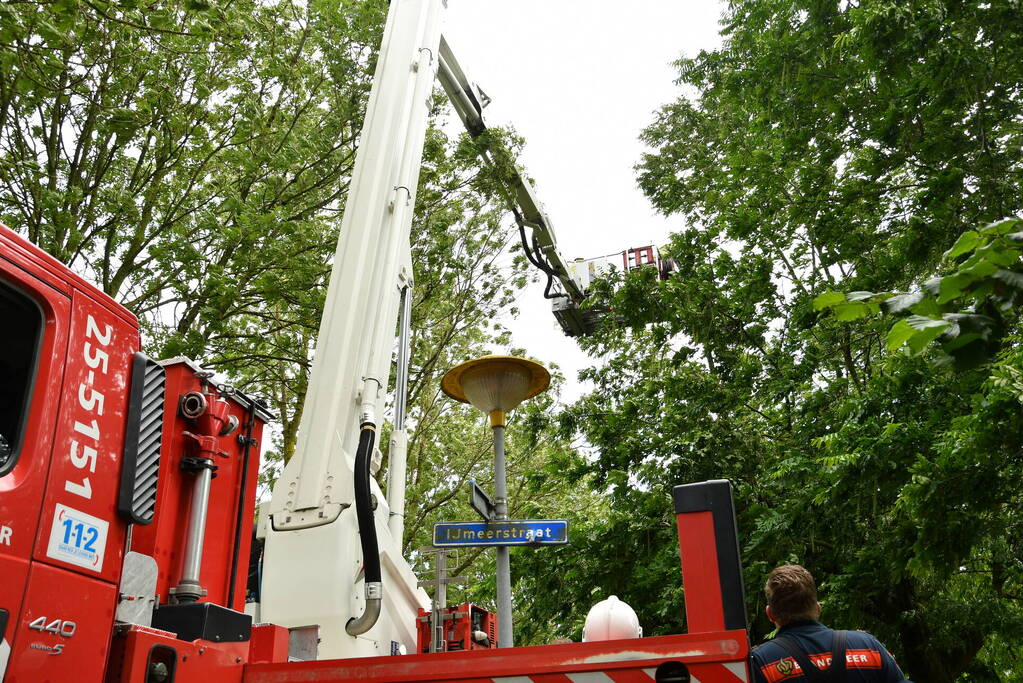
x=549, y=272
x=364, y=503
x=534, y=255
x=532, y=258
x=547, y=290
x=367, y=534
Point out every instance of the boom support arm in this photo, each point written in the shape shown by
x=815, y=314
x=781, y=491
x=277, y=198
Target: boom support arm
x=469, y=101
x=321, y=507
x=312, y=574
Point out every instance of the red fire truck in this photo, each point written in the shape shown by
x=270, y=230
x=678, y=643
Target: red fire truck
x=102, y=451
x=127, y=485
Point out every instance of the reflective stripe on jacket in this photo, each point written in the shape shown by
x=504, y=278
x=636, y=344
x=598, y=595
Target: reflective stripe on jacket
x=866, y=660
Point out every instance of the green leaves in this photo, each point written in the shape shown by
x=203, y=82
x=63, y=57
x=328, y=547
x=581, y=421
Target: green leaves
x=828, y=148
x=829, y=299
x=924, y=330
x=849, y=307
x=952, y=286
x=903, y=302
x=1010, y=277
x=968, y=241
x=980, y=282
x=900, y=333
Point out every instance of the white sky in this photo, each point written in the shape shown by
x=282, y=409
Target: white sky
x=579, y=80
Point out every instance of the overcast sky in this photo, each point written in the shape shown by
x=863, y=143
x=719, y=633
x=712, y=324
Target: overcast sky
x=579, y=80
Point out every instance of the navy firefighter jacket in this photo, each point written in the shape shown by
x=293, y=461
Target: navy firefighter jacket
x=866, y=660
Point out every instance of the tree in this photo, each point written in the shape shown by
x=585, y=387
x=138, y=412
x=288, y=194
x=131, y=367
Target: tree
x=191, y=160
x=967, y=310
x=825, y=147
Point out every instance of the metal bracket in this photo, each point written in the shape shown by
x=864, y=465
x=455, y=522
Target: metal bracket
x=416, y=64
x=394, y=202
x=195, y=465
x=290, y=520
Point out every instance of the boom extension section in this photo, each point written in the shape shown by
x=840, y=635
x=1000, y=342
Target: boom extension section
x=541, y=248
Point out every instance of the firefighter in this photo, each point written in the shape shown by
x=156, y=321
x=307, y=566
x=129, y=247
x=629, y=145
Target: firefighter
x=805, y=649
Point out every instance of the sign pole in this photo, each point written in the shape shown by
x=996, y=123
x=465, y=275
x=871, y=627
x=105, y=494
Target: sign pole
x=495, y=385
x=440, y=602
x=504, y=601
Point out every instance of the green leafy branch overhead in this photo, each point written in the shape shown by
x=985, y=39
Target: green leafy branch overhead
x=966, y=310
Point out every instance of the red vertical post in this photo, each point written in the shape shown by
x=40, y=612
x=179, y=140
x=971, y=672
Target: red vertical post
x=709, y=551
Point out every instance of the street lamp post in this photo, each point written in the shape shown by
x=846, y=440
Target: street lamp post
x=496, y=385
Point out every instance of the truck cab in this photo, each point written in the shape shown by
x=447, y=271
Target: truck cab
x=98, y=468
x=65, y=365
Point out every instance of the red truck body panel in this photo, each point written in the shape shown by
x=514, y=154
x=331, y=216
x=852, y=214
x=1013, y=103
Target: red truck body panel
x=64, y=634
x=197, y=661
x=709, y=657
x=164, y=539
x=60, y=497
x=22, y=488
x=85, y=470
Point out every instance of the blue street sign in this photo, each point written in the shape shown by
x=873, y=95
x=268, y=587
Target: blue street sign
x=511, y=532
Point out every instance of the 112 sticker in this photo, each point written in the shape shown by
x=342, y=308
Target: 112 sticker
x=77, y=538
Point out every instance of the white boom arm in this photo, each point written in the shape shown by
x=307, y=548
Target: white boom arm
x=312, y=562
x=542, y=251
x=313, y=559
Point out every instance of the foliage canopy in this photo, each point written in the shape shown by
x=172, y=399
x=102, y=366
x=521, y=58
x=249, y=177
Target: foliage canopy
x=828, y=147
x=192, y=159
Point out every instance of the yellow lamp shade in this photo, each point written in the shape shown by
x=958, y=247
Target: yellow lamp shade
x=495, y=383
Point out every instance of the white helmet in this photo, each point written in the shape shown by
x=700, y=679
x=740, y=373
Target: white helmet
x=611, y=619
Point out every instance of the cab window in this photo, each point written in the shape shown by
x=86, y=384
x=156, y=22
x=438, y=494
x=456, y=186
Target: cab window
x=19, y=348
